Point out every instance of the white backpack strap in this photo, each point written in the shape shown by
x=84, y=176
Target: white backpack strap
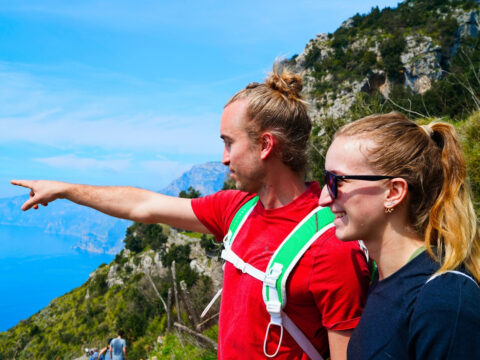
x=235, y=260
x=300, y=338
x=434, y=276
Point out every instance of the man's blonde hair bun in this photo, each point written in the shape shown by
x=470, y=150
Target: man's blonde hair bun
x=287, y=83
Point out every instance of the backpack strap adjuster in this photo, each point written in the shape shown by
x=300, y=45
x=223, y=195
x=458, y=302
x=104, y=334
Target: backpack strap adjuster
x=272, y=275
x=240, y=265
x=274, y=307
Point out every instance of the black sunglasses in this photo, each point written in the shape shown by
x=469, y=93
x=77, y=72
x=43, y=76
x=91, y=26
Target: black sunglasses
x=331, y=180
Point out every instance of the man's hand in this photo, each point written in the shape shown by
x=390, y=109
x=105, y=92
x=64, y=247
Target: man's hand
x=41, y=192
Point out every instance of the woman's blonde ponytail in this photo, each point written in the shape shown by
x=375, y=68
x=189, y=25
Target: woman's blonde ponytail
x=452, y=226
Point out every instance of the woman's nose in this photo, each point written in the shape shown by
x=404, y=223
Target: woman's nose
x=325, y=198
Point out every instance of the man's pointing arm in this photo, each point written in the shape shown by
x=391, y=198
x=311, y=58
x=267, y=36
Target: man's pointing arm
x=119, y=201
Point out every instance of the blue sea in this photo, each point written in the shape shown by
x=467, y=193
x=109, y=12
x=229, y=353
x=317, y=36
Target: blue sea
x=36, y=267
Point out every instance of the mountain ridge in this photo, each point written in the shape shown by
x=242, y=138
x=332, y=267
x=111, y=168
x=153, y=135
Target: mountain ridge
x=206, y=178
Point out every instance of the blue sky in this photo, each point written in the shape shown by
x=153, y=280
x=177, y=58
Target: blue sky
x=131, y=92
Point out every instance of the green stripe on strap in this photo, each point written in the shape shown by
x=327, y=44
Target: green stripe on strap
x=240, y=217
x=295, y=245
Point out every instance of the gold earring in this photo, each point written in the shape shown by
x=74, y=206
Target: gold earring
x=389, y=210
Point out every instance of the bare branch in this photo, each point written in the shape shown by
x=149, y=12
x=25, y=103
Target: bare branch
x=404, y=109
x=169, y=321
x=199, y=326
x=200, y=336
x=186, y=300
x=175, y=292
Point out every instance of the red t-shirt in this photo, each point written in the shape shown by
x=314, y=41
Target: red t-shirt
x=325, y=291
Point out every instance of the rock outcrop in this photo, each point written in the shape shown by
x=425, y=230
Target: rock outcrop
x=423, y=63
x=149, y=262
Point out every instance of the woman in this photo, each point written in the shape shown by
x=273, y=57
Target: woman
x=107, y=351
x=401, y=188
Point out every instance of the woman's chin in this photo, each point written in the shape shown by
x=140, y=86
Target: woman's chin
x=343, y=235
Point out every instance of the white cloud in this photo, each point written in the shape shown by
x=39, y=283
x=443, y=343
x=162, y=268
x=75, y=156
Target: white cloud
x=41, y=110
x=158, y=134
x=71, y=161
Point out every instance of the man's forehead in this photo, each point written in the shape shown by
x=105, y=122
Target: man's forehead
x=238, y=108
x=234, y=117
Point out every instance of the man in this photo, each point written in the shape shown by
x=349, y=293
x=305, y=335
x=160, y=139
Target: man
x=119, y=347
x=265, y=128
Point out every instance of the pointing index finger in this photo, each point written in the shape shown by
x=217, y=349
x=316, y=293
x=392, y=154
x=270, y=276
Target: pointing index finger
x=23, y=183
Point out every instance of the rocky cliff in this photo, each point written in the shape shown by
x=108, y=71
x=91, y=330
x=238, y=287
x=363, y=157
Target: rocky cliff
x=413, y=45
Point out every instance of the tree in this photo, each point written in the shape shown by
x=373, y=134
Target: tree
x=191, y=193
x=391, y=49
x=140, y=235
x=229, y=184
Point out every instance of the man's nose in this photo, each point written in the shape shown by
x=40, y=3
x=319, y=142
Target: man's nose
x=225, y=157
x=325, y=198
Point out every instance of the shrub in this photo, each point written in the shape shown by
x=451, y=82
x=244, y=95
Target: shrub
x=191, y=193
x=210, y=245
x=179, y=253
x=391, y=49
x=139, y=236
x=470, y=132
x=311, y=56
x=99, y=284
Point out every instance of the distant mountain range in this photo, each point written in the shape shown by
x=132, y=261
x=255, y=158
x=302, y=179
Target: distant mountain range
x=207, y=178
x=98, y=232
x=95, y=231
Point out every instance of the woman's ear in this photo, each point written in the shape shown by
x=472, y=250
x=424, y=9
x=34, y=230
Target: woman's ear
x=267, y=142
x=396, y=193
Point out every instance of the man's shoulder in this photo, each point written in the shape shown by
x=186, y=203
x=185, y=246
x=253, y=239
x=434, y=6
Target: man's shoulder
x=117, y=341
x=225, y=196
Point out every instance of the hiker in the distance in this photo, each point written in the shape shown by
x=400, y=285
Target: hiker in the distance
x=118, y=347
x=265, y=128
x=93, y=354
x=402, y=189
x=107, y=351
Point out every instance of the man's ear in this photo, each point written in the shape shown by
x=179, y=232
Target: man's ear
x=396, y=193
x=267, y=143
